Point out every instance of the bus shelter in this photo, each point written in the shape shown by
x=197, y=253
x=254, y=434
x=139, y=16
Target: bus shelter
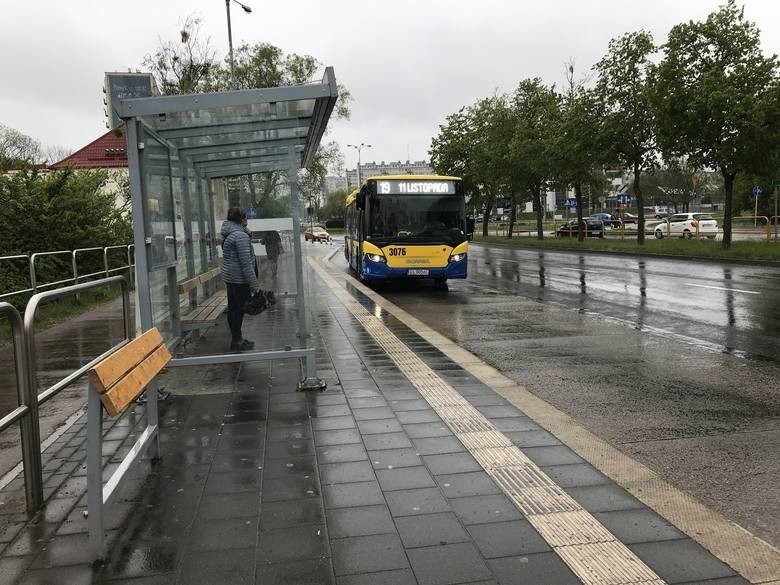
x=184, y=152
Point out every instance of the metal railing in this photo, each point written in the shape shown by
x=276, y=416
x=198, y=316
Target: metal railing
x=27, y=380
x=75, y=277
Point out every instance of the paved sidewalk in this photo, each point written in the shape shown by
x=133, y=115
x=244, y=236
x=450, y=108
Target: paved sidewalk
x=362, y=483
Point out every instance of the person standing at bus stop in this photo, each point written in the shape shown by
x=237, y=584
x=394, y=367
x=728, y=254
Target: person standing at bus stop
x=238, y=273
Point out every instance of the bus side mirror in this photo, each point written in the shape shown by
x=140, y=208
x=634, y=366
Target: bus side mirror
x=360, y=200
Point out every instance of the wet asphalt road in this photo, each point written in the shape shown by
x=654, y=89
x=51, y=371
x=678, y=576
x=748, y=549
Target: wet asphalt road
x=676, y=362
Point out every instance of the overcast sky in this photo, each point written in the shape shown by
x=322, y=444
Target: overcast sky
x=407, y=63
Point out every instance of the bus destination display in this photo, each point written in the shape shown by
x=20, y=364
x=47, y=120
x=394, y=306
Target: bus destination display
x=415, y=187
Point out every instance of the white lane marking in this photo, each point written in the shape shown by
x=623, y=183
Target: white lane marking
x=749, y=292
x=559, y=519
x=11, y=475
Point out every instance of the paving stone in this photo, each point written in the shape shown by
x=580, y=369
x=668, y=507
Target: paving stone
x=340, y=437
x=233, y=482
x=223, y=506
x=552, y=455
x=487, y=400
x=416, y=501
x=408, y=401
x=291, y=513
x=642, y=525
x=604, y=498
x=384, y=425
x=331, y=423
x=295, y=448
x=386, y=441
x=352, y=494
x=373, y=413
x=341, y=453
x=396, y=577
x=484, y=509
x=459, y=485
x=417, y=416
x=518, y=423
x=75, y=575
x=500, y=411
x=320, y=411
x=578, y=474
x=677, y=561
x=223, y=534
x=144, y=558
x=438, y=445
x=290, y=488
x=224, y=566
x=451, y=463
x=368, y=554
x=427, y=430
x=288, y=434
x=430, y=530
x=393, y=458
x=291, y=544
x=547, y=568
x=404, y=478
x=226, y=462
x=450, y=563
x=306, y=572
x=505, y=539
x=359, y=521
x=370, y=402
x=349, y=472
x=724, y=581
x=290, y=466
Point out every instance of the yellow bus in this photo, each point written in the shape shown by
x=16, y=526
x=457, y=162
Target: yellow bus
x=407, y=226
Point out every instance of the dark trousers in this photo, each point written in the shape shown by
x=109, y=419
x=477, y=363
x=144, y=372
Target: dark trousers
x=237, y=296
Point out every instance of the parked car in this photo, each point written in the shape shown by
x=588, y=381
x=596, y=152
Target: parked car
x=316, y=234
x=608, y=219
x=595, y=228
x=686, y=225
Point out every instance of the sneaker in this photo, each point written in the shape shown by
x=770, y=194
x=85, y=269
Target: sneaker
x=248, y=344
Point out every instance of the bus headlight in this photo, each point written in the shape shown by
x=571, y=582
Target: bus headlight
x=376, y=257
x=458, y=257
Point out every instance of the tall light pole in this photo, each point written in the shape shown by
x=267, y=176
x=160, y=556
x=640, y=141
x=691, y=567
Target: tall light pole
x=247, y=9
x=358, y=147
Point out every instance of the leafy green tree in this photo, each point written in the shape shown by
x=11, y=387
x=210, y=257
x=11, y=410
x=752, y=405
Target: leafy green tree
x=536, y=114
x=624, y=94
x=333, y=206
x=716, y=97
x=192, y=66
x=17, y=149
x=466, y=147
x=577, y=144
x=674, y=184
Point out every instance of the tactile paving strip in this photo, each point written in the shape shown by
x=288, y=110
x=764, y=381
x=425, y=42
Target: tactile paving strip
x=581, y=541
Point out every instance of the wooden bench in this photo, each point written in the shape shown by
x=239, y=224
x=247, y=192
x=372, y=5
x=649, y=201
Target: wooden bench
x=114, y=383
x=209, y=310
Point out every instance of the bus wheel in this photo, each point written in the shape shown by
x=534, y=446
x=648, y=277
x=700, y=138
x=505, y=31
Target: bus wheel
x=440, y=283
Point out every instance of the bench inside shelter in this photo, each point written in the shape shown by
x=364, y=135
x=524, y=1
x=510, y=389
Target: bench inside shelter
x=205, y=313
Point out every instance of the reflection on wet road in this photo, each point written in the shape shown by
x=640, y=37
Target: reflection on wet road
x=723, y=307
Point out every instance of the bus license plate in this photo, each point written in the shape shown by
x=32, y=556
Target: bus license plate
x=417, y=272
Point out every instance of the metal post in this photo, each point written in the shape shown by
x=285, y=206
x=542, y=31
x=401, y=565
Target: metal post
x=28, y=424
x=777, y=219
x=755, y=211
x=33, y=279
x=230, y=45
x=95, y=474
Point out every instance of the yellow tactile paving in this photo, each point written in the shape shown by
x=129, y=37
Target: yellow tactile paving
x=756, y=560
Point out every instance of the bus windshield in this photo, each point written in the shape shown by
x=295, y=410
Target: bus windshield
x=416, y=217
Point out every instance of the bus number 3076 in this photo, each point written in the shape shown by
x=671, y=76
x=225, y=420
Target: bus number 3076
x=398, y=251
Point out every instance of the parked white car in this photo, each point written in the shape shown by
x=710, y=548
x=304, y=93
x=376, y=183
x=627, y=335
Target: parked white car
x=685, y=225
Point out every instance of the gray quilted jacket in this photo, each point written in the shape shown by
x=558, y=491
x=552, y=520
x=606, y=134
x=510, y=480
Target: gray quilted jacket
x=238, y=257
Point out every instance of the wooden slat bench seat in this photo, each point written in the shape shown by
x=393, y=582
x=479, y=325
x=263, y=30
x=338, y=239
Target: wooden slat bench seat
x=208, y=311
x=114, y=383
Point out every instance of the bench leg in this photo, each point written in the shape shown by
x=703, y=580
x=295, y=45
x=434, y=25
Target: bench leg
x=95, y=476
x=152, y=418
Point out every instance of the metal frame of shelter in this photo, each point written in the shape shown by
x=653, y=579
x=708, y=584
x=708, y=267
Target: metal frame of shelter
x=177, y=146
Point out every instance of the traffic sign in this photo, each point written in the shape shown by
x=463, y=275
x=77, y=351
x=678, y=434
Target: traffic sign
x=624, y=198
x=758, y=191
x=570, y=203
x=251, y=213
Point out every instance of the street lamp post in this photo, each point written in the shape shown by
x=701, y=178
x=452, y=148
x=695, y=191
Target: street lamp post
x=358, y=147
x=247, y=9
